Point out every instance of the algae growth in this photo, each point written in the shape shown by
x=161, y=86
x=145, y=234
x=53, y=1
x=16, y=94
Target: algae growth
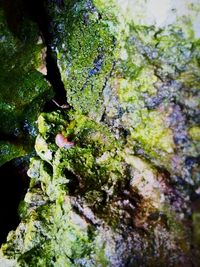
x=127, y=192
x=23, y=88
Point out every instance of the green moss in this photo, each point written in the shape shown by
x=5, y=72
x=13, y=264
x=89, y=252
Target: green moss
x=94, y=157
x=54, y=226
x=96, y=136
x=9, y=151
x=85, y=54
x=23, y=89
x=91, y=204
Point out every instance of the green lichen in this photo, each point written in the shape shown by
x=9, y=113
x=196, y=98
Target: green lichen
x=152, y=134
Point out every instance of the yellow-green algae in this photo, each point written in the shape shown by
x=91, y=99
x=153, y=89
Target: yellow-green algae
x=110, y=199
x=194, y=132
x=51, y=233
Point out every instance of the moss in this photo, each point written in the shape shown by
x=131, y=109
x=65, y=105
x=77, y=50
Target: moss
x=9, y=151
x=94, y=145
x=54, y=227
x=23, y=88
x=85, y=53
x=102, y=201
x=85, y=131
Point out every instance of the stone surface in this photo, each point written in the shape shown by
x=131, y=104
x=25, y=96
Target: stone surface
x=127, y=193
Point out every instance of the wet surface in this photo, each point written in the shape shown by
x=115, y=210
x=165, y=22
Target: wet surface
x=145, y=232
x=35, y=11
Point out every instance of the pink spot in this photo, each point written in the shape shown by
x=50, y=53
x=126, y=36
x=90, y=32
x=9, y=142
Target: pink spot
x=62, y=141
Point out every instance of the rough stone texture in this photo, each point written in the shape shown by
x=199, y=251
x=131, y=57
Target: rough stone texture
x=128, y=192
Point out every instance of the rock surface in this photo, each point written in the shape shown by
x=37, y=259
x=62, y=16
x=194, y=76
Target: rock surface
x=127, y=193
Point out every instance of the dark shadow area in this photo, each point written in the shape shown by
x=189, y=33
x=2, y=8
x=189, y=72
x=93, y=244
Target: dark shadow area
x=73, y=184
x=37, y=11
x=14, y=184
x=14, y=11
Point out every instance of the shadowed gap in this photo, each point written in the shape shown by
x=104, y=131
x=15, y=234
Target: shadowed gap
x=19, y=10
x=14, y=184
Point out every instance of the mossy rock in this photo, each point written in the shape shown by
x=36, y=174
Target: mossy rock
x=121, y=195
x=24, y=90
x=81, y=199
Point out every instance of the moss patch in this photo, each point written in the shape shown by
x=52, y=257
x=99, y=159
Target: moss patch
x=23, y=88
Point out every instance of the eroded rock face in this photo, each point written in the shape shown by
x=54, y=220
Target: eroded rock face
x=126, y=193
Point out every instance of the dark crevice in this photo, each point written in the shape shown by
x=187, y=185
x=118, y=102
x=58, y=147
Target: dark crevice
x=37, y=11
x=53, y=76
x=19, y=11
x=73, y=183
x=13, y=174
x=14, y=184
